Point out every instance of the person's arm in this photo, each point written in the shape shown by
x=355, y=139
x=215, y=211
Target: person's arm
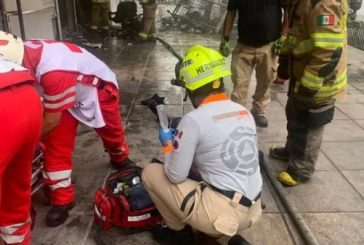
x=181, y=153
x=50, y=121
x=284, y=27
x=59, y=93
x=327, y=28
x=228, y=24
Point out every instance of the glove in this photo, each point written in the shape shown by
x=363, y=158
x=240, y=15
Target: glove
x=145, y=36
x=304, y=100
x=224, y=47
x=282, y=71
x=277, y=46
x=164, y=137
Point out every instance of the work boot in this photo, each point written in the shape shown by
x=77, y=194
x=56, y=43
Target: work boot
x=238, y=240
x=260, y=120
x=127, y=163
x=58, y=214
x=288, y=179
x=166, y=236
x=279, y=153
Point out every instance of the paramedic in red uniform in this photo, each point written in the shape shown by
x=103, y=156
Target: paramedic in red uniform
x=76, y=87
x=21, y=123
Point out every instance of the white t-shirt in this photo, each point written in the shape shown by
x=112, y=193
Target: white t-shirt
x=220, y=139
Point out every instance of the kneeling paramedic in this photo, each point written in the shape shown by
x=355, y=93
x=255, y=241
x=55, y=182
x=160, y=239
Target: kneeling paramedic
x=21, y=123
x=219, y=140
x=77, y=87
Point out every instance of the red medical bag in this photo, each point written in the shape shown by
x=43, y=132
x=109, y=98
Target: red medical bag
x=124, y=202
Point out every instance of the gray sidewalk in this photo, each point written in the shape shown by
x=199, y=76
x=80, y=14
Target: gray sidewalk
x=332, y=204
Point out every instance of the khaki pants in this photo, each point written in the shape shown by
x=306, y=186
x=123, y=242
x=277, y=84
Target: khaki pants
x=149, y=14
x=204, y=209
x=99, y=16
x=244, y=60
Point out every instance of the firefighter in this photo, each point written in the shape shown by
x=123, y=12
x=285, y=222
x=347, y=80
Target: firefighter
x=149, y=15
x=219, y=138
x=21, y=123
x=76, y=87
x=100, y=15
x=317, y=50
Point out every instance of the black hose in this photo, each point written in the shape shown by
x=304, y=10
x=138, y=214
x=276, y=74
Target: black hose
x=168, y=47
x=291, y=208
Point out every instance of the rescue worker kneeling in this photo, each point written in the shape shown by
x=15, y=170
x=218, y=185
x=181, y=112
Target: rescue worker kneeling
x=219, y=140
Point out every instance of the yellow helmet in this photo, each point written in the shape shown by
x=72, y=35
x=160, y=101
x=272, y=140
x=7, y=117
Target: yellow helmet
x=201, y=66
x=11, y=47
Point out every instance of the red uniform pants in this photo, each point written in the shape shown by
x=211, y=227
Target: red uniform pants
x=21, y=123
x=59, y=145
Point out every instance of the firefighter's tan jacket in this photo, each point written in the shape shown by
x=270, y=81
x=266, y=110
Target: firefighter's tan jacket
x=317, y=44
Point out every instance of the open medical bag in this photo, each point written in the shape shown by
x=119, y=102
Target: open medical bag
x=124, y=202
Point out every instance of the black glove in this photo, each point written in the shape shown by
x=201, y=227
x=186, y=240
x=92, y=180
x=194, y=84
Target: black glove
x=304, y=98
x=283, y=67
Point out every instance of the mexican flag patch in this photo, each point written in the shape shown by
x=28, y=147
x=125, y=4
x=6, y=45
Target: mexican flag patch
x=326, y=20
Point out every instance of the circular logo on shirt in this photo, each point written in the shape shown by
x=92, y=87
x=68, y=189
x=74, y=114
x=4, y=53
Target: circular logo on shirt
x=240, y=152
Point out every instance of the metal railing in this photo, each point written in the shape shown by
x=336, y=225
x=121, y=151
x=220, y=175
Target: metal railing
x=356, y=34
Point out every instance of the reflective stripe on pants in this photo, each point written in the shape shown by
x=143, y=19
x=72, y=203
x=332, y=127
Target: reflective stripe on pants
x=59, y=145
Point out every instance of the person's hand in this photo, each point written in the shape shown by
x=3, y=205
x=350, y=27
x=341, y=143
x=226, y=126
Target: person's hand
x=277, y=46
x=165, y=137
x=224, y=47
x=283, y=69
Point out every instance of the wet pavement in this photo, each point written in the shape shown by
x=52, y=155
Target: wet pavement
x=332, y=203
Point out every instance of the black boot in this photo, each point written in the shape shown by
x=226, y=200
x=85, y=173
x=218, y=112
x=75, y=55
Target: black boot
x=279, y=153
x=58, y=214
x=127, y=163
x=260, y=120
x=167, y=236
x=238, y=240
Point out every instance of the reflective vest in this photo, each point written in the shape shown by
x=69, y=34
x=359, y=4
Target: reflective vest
x=317, y=45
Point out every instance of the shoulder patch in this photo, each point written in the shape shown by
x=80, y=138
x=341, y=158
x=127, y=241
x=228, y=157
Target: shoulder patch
x=325, y=20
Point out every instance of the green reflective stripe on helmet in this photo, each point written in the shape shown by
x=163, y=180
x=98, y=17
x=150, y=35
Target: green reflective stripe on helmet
x=201, y=66
x=195, y=80
x=311, y=80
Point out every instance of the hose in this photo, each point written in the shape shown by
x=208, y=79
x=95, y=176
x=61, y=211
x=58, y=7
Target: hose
x=304, y=230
